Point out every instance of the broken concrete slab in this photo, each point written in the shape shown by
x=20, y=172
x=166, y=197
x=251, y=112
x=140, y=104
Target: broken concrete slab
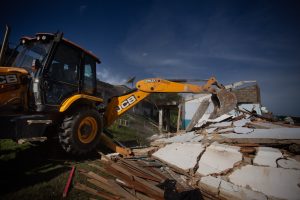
x=231, y=191
x=185, y=137
x=267, y=156
x=199, y=114
x=210, y=184
x=273, y=182
x=242, y=130
x=288, y=163
x=241, y=122
x=221, y=124
x=278, y=135
x=218, y=158
x=180, y=155
x=204, y=119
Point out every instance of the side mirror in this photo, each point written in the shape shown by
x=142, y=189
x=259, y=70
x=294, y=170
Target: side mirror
x=36, y=64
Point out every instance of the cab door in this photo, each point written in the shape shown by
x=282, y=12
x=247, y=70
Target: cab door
x=62, y=77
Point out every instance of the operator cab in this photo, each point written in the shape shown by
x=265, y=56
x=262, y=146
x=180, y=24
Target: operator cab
x=59, y=69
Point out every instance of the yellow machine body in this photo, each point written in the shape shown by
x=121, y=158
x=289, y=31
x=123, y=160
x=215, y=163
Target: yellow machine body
x=13, y=89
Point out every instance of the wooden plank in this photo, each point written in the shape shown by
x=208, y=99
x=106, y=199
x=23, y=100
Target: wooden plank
x=158, y=173
x=121, y=190
x=107, y=184
x=247, y=145
x=140, y=169
x=92, y=191
x=139, y=174
x=136, y=182
x=103, y=186
x=97, y=167
x=98, y=177
x=113, y=188
x=248, y=150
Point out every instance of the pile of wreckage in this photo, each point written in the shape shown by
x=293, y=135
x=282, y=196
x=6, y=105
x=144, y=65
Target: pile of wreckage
x=242, y=157
x=239, y=155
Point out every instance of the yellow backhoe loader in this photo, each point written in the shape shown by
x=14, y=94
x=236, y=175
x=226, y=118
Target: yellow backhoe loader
x=48, y=84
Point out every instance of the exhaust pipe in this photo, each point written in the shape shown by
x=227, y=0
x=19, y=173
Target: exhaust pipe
x=4, y=45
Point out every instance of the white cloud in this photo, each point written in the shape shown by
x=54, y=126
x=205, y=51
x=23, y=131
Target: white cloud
x=103, y=74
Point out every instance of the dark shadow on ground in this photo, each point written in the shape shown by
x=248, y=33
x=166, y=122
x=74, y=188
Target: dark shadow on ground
x=39, y=163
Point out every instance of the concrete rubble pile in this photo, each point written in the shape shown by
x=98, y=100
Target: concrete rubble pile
x=237, y=157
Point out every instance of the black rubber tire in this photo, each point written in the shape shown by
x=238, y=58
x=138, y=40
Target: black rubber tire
x=68, y=136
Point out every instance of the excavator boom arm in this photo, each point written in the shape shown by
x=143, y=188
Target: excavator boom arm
x=120, y=104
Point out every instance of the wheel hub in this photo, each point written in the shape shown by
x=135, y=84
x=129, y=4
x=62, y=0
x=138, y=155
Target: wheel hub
x=87, y=130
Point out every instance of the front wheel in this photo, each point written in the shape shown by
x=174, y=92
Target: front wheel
x=80, y=131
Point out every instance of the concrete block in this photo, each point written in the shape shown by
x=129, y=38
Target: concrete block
x=274, y=182
x=231, y=191
x=218, y=158
x=288, y=163
x=267, y=156
x=181, y=155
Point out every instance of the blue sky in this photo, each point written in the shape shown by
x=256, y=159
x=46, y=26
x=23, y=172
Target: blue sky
x=232, y=40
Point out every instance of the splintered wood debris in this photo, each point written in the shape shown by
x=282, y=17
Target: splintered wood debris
x=134, y=178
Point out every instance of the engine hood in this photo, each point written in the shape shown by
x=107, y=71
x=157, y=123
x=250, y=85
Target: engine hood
x=13, y=70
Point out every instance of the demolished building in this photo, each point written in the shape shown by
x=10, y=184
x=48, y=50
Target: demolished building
x=239, y=155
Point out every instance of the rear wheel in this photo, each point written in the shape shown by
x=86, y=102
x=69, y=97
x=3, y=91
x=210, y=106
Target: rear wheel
x=80, y=131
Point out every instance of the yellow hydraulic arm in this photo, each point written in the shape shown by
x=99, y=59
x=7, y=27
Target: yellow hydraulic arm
x=120, y=104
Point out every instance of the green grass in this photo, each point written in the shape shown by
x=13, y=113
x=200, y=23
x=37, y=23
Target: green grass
x=40, y=171
x=9, y=149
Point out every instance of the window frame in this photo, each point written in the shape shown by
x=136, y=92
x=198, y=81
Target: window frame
x=82, y=74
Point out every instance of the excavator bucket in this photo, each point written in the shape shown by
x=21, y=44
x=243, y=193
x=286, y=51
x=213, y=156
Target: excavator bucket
x=224, y=102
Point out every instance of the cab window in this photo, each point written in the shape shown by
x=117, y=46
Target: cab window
x=89, y=78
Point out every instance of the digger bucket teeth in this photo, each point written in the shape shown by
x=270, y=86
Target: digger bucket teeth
x=224, y=102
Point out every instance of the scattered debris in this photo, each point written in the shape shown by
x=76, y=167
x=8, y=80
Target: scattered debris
x=240, y=155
